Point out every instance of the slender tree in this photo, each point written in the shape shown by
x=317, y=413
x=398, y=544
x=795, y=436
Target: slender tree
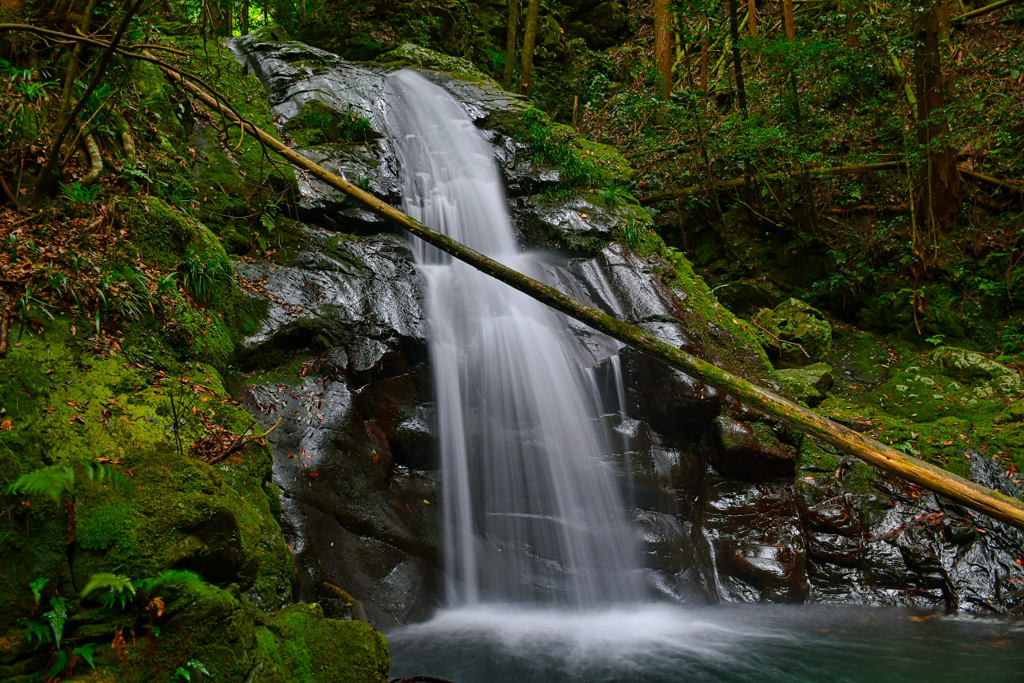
x=941, y=180
x=663, y=45
x=243, y=20
x=752, y=12
x=529, y=39
x=741, y=91
x=704, y=55
x=510, y=42
x=787, y=18
x=72, y=72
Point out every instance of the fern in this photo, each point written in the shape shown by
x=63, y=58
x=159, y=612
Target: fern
x=85, y=652
x=171, y=577
x=50, y=482
x=54, y=481
x=117, y=589
x=57, y=617
x=37, y=589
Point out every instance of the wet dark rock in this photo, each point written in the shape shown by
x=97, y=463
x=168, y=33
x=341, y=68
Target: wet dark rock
x=749, y=451
x=718, y=512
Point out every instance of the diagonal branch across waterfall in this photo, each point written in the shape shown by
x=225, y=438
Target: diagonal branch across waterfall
x=970, y=494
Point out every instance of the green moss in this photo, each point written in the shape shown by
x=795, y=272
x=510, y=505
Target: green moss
x=747, y=357
x=861, y=477
x=162, y=234
x=313, y=646
x=317, y=124
x=415, y=56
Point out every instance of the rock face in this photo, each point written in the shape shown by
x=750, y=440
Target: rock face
x=729, y=505
x=810, y=383
x=794, y=333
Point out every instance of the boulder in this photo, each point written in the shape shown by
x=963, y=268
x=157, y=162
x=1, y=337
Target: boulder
x=809, y=383
x=986, y=377
x=794, y=334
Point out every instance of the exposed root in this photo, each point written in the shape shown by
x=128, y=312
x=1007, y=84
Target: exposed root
x=18, y=206
x=95, y=160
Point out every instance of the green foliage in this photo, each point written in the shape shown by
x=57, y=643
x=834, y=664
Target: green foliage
x=116, y=589
x=201, y=273
x=56, y=617
x=85, y=651
x=497, y=58
x=50, y=482
x=632, y=232
x=184, y=673
x=37, y=588
x=85, y=194
x=54, y=481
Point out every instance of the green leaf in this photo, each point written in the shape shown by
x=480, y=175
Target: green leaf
x=60, y=662
x=37, y=588
x=197, y=665
x=117, y=585
x=50, y=482
x=57, y=616
x=85, y=651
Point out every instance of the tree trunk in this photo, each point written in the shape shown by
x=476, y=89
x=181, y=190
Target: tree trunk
x=229, y=29
x=752, y=12
x=737, y=57
x=72, y=73
x=532, y=15
x=704, y=57
x=662, y=45
x=974, y=496
x=787, y=17
x=510, y=42
x=243, y=21
x=941, y=196
x=741, y=91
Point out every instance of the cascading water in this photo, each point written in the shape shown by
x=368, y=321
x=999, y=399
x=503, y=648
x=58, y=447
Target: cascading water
x=532, y=510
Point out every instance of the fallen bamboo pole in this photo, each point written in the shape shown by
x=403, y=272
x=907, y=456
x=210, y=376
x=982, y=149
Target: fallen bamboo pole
x=992, y=503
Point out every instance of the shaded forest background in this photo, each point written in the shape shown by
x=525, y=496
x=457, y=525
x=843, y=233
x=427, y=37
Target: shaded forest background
x=865, y=157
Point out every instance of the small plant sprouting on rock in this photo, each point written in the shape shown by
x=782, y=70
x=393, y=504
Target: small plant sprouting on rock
x=201, y=273
x=184, y=673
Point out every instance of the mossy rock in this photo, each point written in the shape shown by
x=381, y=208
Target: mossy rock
x=987, y=377
x=794, y=334
x=163, y=235
x=809, y=383
x=417, y=57
x=67, y=409
x=269, y=34
x=318, y=124
x=299, y=644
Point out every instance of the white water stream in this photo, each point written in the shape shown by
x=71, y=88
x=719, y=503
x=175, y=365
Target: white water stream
x=532, y=510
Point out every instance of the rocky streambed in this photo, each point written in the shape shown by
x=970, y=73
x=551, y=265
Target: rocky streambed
x=728, y=504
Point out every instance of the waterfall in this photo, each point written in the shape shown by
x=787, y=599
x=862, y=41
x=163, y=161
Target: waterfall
x=532, y=507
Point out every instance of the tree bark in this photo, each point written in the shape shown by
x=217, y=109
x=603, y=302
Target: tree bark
x=529, y=39
x=752, y=15
x=968, y=493
x=510, y=42
x=787, y=18
x=941, y=184
x=662, y=45
x=243, y=20
x=741, y=91
x=704, y=56
x=72, y=73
